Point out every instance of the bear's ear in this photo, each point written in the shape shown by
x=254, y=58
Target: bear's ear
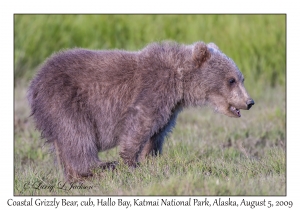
x=213, y=45
x=200, y=53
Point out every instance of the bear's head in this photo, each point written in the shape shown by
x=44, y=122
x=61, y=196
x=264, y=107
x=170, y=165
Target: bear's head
x=216, y=80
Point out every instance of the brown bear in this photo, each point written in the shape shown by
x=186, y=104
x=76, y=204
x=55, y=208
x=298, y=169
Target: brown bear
x=86, y=101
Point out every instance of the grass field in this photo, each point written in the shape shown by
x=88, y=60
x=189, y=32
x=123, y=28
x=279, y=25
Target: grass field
x=207, y=153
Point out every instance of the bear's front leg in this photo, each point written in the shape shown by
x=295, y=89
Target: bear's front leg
x=155, y=144
x=137, y=129
x=131, y=147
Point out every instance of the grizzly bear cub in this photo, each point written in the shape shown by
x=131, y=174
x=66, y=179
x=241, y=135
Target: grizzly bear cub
x=86, y=101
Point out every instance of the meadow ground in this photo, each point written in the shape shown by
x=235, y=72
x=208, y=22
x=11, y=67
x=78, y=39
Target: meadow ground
x=207, y=154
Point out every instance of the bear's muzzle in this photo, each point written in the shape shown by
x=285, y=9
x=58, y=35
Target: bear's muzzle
x=250, y=103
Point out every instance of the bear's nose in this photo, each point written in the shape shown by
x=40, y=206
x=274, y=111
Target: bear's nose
x=250, y=103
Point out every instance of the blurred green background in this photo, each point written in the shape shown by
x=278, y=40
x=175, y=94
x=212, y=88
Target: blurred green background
x=257, y=43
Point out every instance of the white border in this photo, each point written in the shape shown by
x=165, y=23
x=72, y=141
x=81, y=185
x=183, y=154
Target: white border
x=8, y=8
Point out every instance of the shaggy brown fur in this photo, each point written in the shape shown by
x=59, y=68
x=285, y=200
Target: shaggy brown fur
x=86, y=101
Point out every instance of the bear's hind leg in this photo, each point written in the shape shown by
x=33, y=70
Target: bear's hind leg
x=76, y=150
x=76, y=163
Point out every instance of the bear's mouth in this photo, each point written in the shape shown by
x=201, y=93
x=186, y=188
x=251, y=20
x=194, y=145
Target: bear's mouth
x=235, y=111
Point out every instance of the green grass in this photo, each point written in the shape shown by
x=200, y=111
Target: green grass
x=255, y=42
x=207, y=154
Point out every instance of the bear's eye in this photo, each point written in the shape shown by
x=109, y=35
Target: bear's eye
x=231, y=81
